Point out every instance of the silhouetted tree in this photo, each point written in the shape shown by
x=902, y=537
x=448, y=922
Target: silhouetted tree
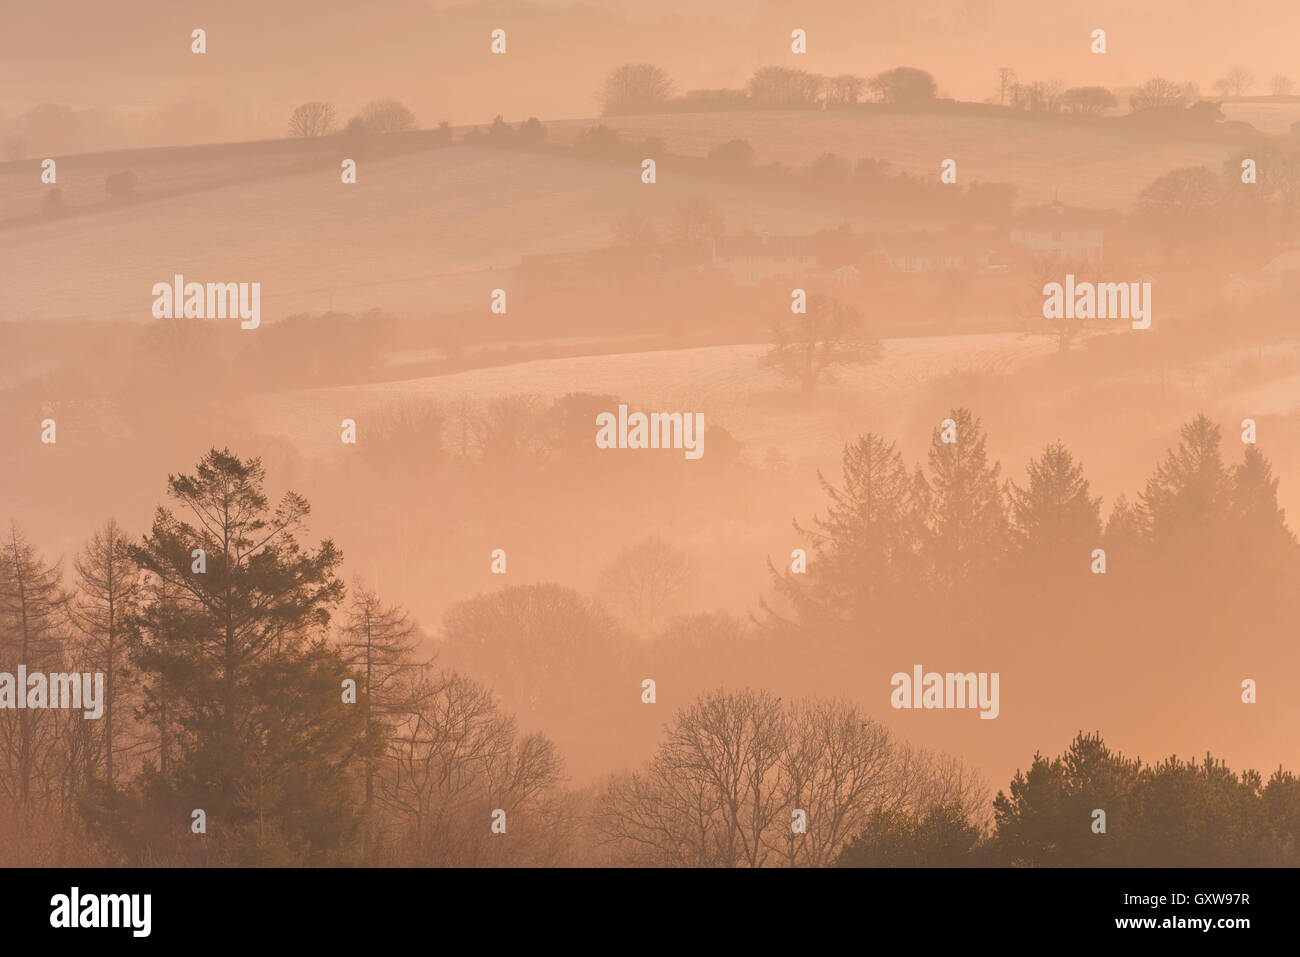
x=635, y=88
x=312, y=119
x=863, y=547
x=961, y=498
x=1055, y=522
x=903, y=86
x=809, y=345
x=33, y=632
x=1235, y=82
x=387, y=116
x=378, y=641
x=1088, y=100
x=1156, y=93
x=234, y=644
x=108, y=585
x=645, y=580
x=779, y=86
x=940, y=836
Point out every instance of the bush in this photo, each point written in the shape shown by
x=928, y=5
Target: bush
x=121, y=186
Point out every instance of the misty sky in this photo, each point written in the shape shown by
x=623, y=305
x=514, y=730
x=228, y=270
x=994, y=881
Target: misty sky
x=265, y=57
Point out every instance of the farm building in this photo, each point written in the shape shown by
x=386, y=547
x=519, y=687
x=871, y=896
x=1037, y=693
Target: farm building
x=937, y=251
x=753, y=259
x=1059, y=232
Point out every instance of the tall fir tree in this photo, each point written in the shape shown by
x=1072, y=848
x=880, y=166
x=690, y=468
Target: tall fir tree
x=1055, y=522
x=964, y=507
x=231, y=630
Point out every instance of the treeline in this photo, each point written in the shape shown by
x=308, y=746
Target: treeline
x=904, y=549
x=1093, y=807
x=646, y=88
x=256, y=713
x=245, y=721
x=1251, y=204
x=865, y=181
x=643, y=88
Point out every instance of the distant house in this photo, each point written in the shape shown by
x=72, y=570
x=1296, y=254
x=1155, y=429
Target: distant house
x=1059, y=232
x=753, y=259
x=936, y=251
x=1280, y=275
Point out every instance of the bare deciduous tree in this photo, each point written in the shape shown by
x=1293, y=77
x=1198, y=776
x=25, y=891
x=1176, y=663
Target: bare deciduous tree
x=723, y=788
x=1235, y=82
x=312, y=119
x=378, y=640
x=696, y=220
x=108, y=584
x=635, y=88
x=386, y=116
x=1155, y=93
x=453, y=760
x=645, y=580
x=779, y=86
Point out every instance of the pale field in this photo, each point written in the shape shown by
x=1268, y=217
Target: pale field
x=765, y=412
x=81, y=178
x=416, y=234
x=1085, y=165
x=1267, y=117
x=726, y=383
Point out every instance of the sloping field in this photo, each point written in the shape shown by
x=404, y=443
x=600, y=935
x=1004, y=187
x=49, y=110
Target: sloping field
x=403, y=237
x=168, y=169
x=1269, y=117
x=721, y=381
x=1085, y=165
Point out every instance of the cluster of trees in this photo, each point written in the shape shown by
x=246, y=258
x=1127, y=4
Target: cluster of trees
x=1174, y=813
x=1052, y=96
x=317, y=118
x=1156, y=98
x=745, y=780
x=528, y=134
x=957, y=538
x=646, y=88
x=239, y=725
x=241, y=681
x=1197, y=205
x=867, y=180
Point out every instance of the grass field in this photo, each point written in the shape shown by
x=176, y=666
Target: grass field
x=409, y=236
x=725, y=382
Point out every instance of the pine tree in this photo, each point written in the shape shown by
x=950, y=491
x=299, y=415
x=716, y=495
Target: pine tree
x=229, y=643
x=864, y=548
x=1187, y=502
x=962, y=500
x=1055, y=522
x=1264, y=539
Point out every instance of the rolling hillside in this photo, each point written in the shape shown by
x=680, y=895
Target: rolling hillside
x=1099, y=166
x=409, y=236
